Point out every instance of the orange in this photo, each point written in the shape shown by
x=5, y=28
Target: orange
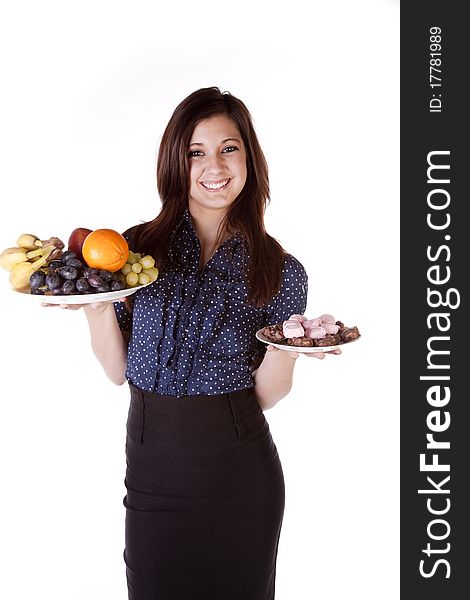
x=105, y=249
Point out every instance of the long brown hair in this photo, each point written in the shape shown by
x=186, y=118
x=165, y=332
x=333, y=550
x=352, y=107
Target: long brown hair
x=245, y=214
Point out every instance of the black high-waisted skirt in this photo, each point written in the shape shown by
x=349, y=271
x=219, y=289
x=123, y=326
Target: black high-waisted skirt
x=205, y=498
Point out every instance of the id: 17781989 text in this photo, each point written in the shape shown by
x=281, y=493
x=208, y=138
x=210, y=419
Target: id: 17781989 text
x=435, y=71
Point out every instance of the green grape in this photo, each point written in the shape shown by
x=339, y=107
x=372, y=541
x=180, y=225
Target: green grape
x=132, y=279
x=137, y=267
x=152, y=273
x=132, y=258
x=143, y=278
x=147, y=261
x=127, y=268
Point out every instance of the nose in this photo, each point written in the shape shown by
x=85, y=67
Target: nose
x=215, y=163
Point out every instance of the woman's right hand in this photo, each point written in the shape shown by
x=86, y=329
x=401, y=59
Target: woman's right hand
x=95, y=307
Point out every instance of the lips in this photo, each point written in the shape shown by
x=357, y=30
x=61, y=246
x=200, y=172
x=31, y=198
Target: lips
x=216, y=185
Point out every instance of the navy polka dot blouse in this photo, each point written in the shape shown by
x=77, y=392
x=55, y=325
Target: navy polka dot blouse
x=193, y=333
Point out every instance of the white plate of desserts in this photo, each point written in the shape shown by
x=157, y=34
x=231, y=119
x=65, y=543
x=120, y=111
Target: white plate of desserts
x=322, y=334
x=286, y=346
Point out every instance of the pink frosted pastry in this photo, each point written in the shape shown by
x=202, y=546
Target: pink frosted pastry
x=309, y=323
x=327, y=319
x=330, y=328
x=298, y=318
x=292, y=328
x=315, y=333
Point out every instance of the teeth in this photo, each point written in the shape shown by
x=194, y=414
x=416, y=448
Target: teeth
x=212, y=185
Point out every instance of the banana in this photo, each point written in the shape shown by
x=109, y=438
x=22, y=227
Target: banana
x=34, y=259
x=41, y=245
x=20, y=274
x=31, y=254
x=11, y=257
x=28, y=241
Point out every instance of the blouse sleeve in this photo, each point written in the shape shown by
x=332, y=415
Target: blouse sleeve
x=291, y=298
x=123, y=316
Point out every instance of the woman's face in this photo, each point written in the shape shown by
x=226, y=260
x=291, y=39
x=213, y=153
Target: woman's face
x=217, y=164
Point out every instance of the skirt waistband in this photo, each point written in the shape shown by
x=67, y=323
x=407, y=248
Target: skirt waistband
x=205, y=413
x=198, y=398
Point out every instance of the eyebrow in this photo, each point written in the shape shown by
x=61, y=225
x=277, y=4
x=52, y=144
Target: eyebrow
x=222, y=141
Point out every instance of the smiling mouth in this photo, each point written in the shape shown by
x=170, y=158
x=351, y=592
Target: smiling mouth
x=215, y=186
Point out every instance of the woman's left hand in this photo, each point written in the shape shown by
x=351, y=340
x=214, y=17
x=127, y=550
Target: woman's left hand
x=295, y=355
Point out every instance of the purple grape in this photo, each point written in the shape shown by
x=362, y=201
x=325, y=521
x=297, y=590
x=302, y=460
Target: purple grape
x=53, y=281
x=37, y=279
x=68, y=272
x=69, y=287
x=74, y=262
x=106, y=276
x=82, y=285
x=54, y=265
x=89, y=271
x=66, y=256
x=104, y=287
x=117, y=286
x=95, y=281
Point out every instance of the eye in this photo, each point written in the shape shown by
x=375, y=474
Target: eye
x=230, y=149
x=193, y=153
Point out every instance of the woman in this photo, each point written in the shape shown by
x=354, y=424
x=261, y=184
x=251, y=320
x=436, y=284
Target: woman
x=205, y=489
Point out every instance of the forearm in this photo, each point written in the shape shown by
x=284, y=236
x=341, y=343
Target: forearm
x=107, y=342
x=273, y=378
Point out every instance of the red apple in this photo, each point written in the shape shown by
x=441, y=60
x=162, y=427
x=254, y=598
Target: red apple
x=76, y=239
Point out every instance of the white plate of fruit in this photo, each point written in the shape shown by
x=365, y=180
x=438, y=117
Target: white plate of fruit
x=97, y=266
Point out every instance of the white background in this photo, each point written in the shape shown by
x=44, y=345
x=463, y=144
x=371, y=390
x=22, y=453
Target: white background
x=87, y=89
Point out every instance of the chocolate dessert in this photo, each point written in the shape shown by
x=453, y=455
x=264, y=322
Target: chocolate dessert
x=348, y=334
x=300, y=341
x=273, y=333
x=328, y=340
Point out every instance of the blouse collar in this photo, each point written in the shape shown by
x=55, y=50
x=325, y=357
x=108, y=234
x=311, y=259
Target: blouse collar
x=236, y=243
x=237, y=236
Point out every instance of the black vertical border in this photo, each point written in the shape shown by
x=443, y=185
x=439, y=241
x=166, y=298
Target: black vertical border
x=422, y=132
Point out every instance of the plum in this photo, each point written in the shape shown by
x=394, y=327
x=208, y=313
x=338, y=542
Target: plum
x=76, y=239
